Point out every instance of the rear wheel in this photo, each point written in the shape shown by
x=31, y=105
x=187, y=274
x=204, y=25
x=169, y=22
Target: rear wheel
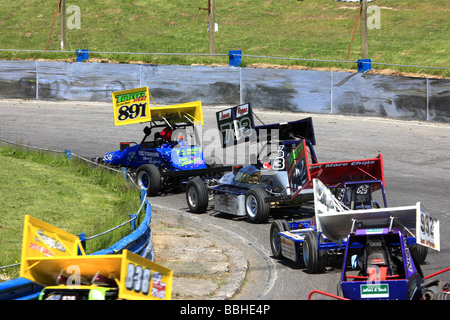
x=435, y=293
x=256, y=208
x=419, y=252
x=277, y=226
x=313, y=258
x=149, y=178
x=197, y=195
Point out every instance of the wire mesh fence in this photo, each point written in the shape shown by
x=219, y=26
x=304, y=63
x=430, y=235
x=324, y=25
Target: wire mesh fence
x=300, y=33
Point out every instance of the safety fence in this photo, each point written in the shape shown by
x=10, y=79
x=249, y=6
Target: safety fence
x=235, y=58
x=325, y=92
x=139, y=241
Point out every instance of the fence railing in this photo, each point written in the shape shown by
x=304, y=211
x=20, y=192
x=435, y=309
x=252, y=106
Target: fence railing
x=234, y=58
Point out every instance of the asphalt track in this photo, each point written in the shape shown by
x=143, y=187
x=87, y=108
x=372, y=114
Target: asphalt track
x=416, y=164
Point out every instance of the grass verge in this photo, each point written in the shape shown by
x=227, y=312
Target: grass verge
x=407, y=32
x=69, y=194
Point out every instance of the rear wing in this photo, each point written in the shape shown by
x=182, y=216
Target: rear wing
x=333, y=174
x=51, y=256
x=133, y=106
x=189, y=112
x=336, y=223
x=237, y=125
x=294, y=130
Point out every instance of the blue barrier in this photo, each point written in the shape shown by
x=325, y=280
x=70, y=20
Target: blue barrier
x=82, y=54
x=364, y=65
x=19, y=289
x=139, y=241
x=235, y=58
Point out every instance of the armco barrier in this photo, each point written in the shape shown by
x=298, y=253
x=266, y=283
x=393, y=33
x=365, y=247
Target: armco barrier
x=329, y=92
x=139, y=241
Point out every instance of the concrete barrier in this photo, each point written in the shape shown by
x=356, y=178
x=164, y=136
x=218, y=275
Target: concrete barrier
x=279, y=89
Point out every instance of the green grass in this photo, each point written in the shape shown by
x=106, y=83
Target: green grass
x=69, y=194
x=412, y=32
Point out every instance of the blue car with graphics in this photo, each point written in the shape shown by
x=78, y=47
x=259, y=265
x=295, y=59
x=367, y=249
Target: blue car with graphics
x=164, y=158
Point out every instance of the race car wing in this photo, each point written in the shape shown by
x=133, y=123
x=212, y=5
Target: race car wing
x=237, y=125
x=334, y=173
x=336, y=223
x=51, y=256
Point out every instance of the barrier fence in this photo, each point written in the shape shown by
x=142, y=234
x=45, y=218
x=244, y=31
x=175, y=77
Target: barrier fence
x=328, y=92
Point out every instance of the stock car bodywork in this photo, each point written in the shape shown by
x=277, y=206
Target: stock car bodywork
x=283, y=178
x=164, y=159
x=377, y=243
x=381, y=248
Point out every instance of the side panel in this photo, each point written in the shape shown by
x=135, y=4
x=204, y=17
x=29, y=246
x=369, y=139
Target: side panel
x=230, y=203
x=297, y=168
x=428, y=229
x=288, y=248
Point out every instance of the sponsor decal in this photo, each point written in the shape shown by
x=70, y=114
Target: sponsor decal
x=374, y=231
x=49, y=241
x=225, y=115
x=131, y=106
x=374, y=291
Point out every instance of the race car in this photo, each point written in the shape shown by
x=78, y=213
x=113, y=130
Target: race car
x=245, y=190
x=166, y=159
x=281, y=179
x=378, y=262
x=56, y=260
x=316, y=242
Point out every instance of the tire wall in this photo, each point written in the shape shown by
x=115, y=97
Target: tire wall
x=326, y=92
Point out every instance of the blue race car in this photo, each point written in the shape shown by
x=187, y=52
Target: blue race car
x=380, y=256
x=167, y=159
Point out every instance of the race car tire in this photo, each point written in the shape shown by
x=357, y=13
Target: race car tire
x=256, y=208
x=313, y=258
x=149, y=178
x=419, y=253
x=435, y=293
x=277, y=226
x=339, y=291
x=197, y=195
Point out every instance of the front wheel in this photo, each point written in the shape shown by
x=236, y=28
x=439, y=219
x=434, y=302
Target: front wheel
x=313, y=258
x=197, y=195
x=256, y=208
x=277, y=226
x=419, y=252
x=149, y=178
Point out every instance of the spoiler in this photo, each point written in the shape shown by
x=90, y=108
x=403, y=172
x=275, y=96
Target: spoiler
x=336, y=223
x=190, y=112
x=50, y=256
x=334, y=173
x=237, y=125
x=294, y=130
x=301, y=172
x=133, y=106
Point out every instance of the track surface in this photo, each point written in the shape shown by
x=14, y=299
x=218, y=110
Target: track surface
x=416, y=163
